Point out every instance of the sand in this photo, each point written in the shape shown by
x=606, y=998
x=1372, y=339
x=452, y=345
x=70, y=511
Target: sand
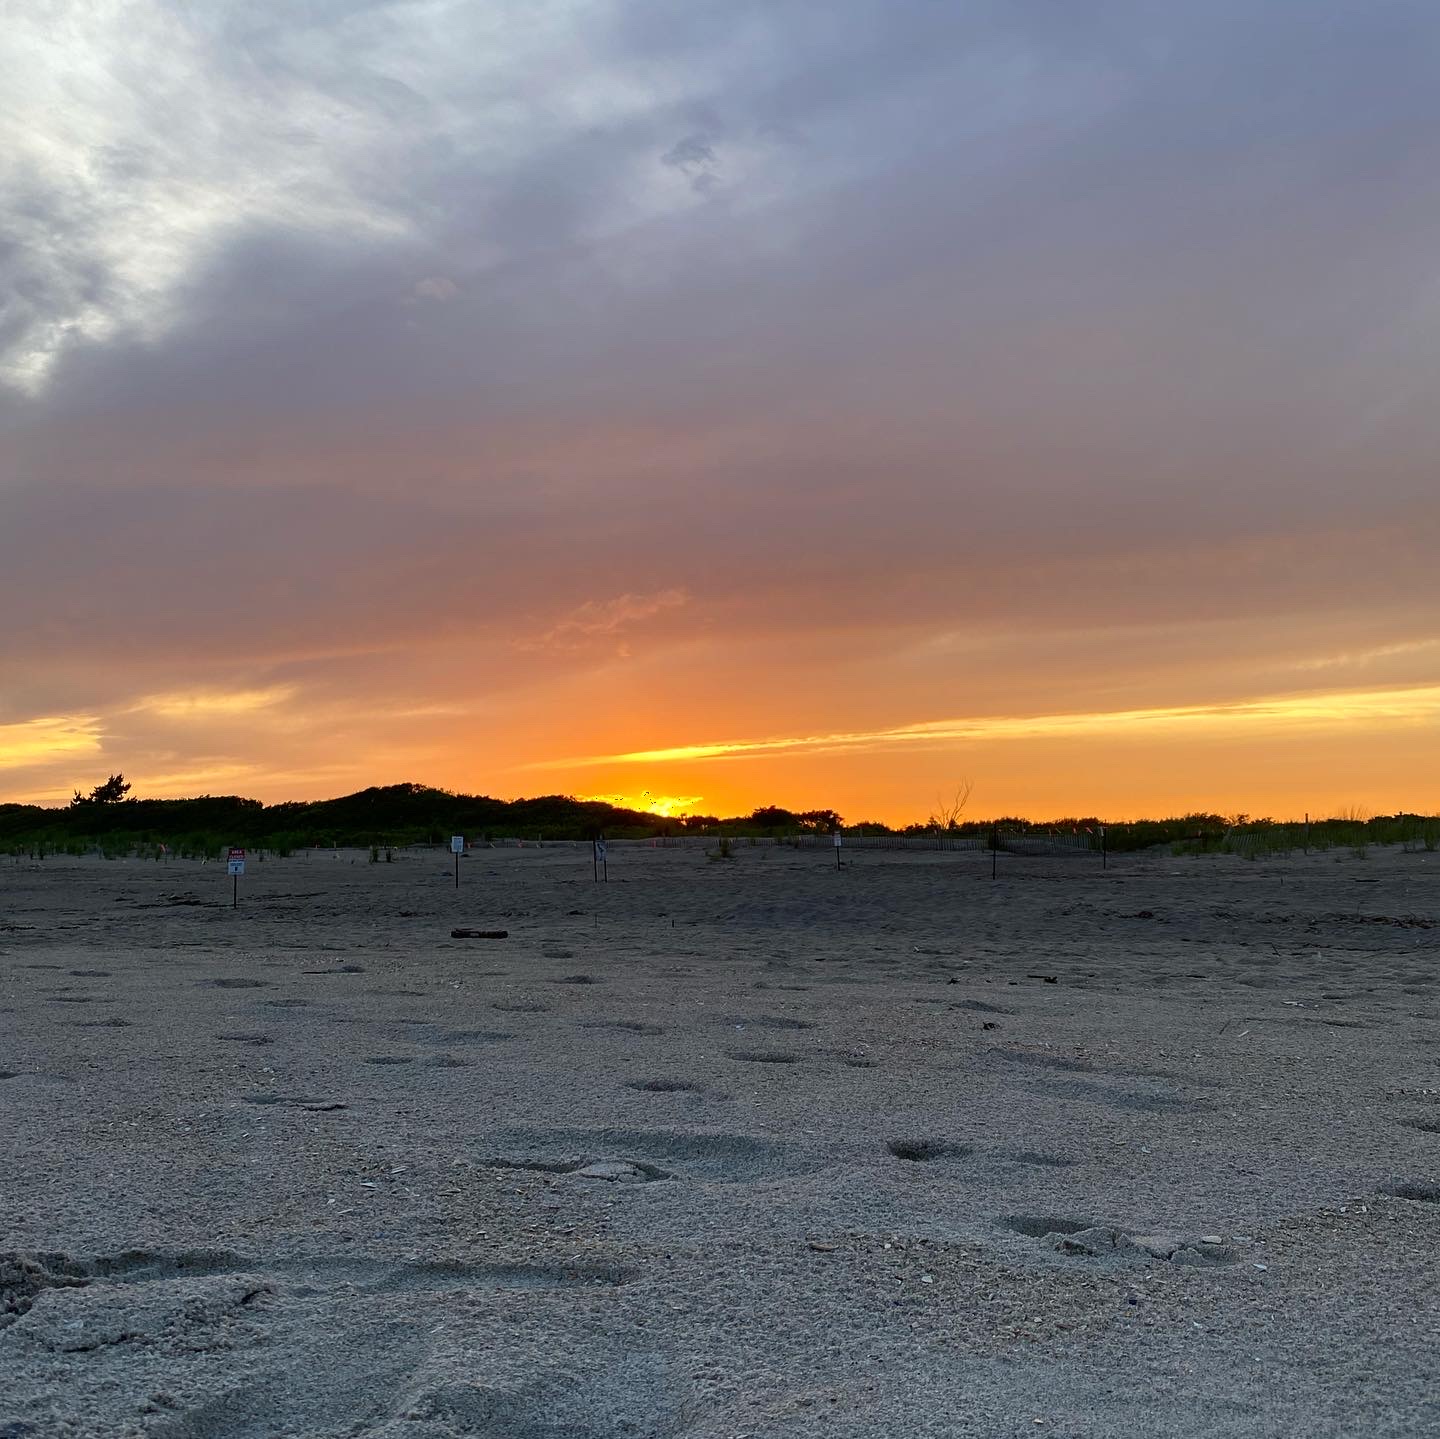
x=747, y=1148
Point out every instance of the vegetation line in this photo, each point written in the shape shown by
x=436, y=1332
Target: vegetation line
x=109, y=821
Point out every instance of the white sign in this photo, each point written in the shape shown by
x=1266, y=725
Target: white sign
x=457, y=844
x=235, y=867
x=600, y=849
x=837, y=839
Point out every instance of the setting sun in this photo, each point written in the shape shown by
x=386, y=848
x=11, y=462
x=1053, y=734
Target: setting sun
x=665, y=806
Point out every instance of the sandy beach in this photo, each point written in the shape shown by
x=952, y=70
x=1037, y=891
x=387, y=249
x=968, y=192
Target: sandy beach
x=741, y=1148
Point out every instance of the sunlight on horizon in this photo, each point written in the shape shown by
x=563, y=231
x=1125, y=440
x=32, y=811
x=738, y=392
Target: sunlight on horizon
x=661, y=805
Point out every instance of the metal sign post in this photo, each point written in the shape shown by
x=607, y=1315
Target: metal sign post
x=457, y=848
x=837, y=849
x=235, y=867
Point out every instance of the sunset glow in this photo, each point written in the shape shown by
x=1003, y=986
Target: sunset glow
x=666, y=806
x=1420, y=705
x=48, y=740
x=713, y=428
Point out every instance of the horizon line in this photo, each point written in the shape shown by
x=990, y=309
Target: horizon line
x=1235, y=819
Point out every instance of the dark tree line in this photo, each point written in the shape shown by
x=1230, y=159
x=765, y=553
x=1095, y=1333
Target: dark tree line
x=111, y=819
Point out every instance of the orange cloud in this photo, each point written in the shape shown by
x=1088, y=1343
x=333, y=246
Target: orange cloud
x=1322, y=710
x=48, y=739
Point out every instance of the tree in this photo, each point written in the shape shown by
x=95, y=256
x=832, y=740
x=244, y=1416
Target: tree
x=947, y=815
x=111, y=792
x=771, y=816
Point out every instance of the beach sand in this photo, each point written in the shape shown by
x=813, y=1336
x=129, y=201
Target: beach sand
x=737, y=1148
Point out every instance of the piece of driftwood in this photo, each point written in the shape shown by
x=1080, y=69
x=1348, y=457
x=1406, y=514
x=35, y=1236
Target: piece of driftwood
x=479, y=934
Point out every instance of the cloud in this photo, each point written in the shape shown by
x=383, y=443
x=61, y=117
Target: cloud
x=1364, y=658
x=1337, y=708
x=400, y=132
x=694, y=156
x=372, y=129
x=204, y=704
x=599, y=619
x=693, y=153
x=119, y=198
x=48, y=739
x=436, y=287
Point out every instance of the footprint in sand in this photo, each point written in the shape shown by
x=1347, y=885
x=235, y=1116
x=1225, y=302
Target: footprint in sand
x=315, y=1106
x=768, y=1021
x=24, y=1276
x=471, y=1036
x=613, y=1171
x=924, y=1151
x=1425, y=1126
x=655, y=1153
x=1086, y=1239
x=1420, y=1193
x=1037, y=1158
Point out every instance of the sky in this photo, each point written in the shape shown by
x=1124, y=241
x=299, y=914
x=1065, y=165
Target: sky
x=722, y=402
